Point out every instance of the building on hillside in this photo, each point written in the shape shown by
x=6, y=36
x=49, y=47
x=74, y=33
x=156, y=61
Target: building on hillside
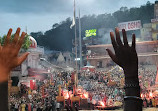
x=32, y=61
x=154, y=23
x=61, y=59
x=68, y=59
x=147, y=52
x=156, y=9
x=149, y=31
x=152, y=29
x=146, y=32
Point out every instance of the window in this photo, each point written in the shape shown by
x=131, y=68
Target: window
x=99, y=64
x=156, y=26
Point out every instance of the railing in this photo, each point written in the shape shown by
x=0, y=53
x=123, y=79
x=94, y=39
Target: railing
x=107, y=56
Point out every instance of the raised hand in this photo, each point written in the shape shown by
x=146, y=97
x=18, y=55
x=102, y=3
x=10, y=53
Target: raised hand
x=125, y=56
x=9, y=54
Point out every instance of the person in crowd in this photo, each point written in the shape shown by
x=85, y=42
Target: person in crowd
x=53, y=104
x=145, y=103
x=23, y=106
x=29, y=106
x=12, y=107
x=150, y=103
x=58, y=106
x=89, y=103
x=35, y=108
x=16, y=106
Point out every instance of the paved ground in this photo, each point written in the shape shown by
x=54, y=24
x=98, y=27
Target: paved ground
x=148, y=109
x=151, y=109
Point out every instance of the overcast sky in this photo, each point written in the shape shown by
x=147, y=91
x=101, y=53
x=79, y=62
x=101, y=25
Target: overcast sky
x=40, y=15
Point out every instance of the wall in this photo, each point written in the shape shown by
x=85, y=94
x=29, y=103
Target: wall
x=144, y=50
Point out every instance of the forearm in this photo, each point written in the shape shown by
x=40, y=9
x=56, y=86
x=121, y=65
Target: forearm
x=4, y=96
x=4, y=75
x=132, y=104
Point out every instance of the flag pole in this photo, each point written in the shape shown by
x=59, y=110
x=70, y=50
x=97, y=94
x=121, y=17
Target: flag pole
x=75, y=45
x=80, y=41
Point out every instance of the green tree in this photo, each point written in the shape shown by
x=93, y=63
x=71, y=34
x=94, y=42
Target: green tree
x=25, y=45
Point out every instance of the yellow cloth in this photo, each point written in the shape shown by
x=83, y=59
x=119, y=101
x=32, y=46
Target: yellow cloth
x=117, y=103
x=29, y=92
x=23, y=107
x=154, y=102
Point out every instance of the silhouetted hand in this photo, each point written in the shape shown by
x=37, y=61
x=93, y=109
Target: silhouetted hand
x=125, y=56
x=9, y=54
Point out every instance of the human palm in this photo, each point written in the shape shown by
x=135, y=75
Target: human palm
x=125, y=56
x=9, y=58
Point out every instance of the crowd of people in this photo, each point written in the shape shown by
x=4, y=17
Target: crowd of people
x=96, y=83
x=99, y=88
x=43, y=99
x=147, y=75
x=105, y=86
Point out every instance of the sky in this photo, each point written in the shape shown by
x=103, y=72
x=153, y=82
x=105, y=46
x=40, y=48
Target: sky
x=40, y=15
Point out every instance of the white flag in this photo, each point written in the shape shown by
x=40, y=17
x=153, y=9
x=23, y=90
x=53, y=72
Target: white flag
x=73, y=23
x=74, y=17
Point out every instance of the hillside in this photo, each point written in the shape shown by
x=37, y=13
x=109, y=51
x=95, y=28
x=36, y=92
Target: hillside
x=60, y=36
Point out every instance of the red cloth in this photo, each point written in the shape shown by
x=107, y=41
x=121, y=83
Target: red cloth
x=29, y=107
x=32, y=84
x=43, y=93
x=105, y=98
x=73, y=77
x=90, y=97
x=156, y=81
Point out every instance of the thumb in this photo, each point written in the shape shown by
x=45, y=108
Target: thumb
x=22, y=57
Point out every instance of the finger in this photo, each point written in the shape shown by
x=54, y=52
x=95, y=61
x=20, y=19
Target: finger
x=7, y=40
x=16, y=37
x=125, y=41
x=118, y=39
x=0, y=47
x=111, y=54
x=20, y=42
x=133, y=41
x=0, y=44
x=113, y=40
x=22, y=58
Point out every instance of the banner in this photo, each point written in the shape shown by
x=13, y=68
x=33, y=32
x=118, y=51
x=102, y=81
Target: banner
x=90, y=33
x=131, y=25
x=154, y=20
